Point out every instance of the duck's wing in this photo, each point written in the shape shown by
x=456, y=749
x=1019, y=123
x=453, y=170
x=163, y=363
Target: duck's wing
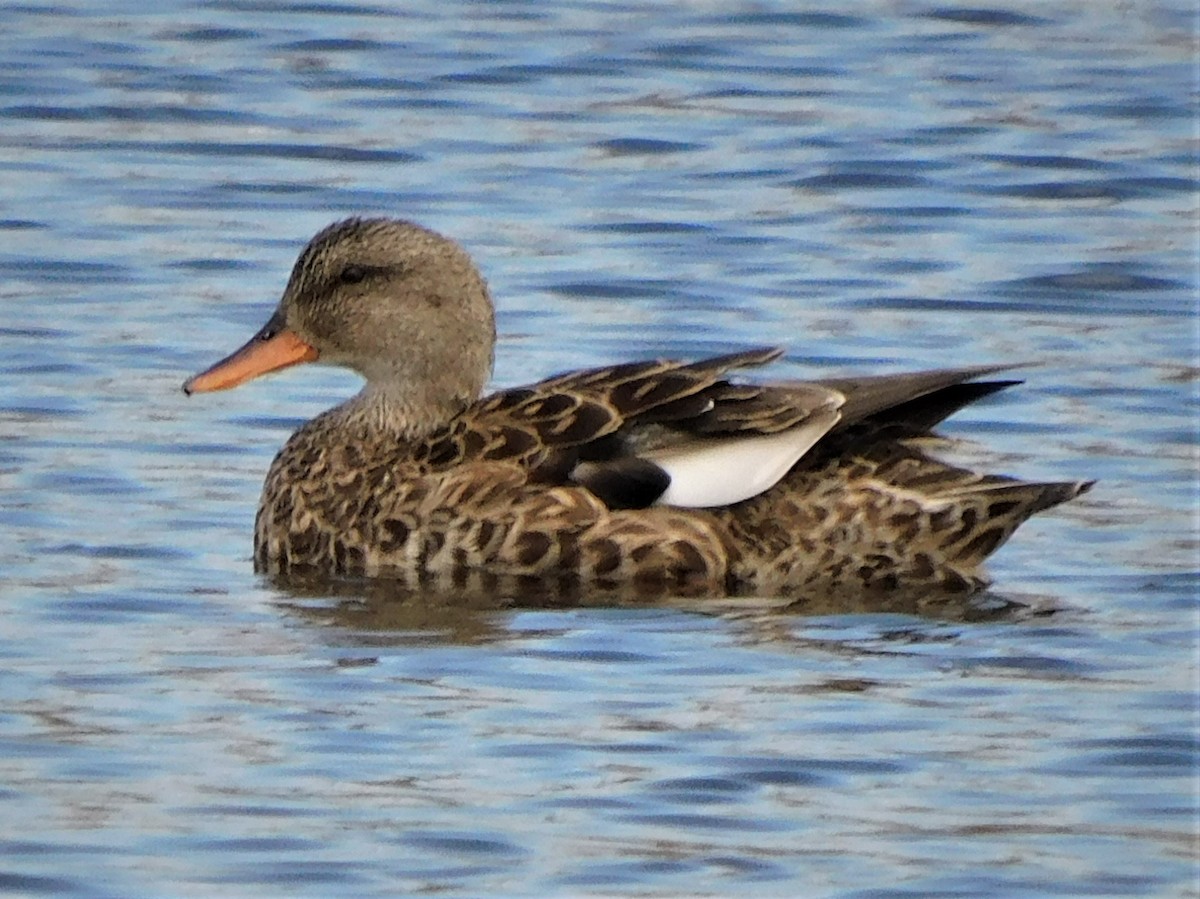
x=594, y=412
x=645, y=393
x=920, y=399
x=668, y=431
x=683, y=434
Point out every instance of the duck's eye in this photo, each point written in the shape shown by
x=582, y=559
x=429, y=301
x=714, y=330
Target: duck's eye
x=352, y=274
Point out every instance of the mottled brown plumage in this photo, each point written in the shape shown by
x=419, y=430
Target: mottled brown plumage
x=556, y=483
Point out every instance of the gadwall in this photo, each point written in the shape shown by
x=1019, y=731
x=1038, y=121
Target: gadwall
x=658, y=472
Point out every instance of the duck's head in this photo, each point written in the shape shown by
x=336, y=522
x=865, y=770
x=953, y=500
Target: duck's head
x=401, y=305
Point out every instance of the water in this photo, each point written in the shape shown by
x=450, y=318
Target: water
x=890, y=186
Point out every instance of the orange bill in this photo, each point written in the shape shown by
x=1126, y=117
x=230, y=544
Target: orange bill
x=269, y=350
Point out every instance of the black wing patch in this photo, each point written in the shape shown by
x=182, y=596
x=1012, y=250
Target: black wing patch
x=623, y=483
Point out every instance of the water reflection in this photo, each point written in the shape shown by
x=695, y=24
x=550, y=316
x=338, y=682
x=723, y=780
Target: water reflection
x=397, y=612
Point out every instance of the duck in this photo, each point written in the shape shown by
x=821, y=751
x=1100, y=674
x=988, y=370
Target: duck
x=680, y=474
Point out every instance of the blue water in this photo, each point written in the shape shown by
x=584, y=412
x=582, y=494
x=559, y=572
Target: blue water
x=878, y=187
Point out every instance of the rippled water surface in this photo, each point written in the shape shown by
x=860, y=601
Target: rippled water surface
x=876, y=186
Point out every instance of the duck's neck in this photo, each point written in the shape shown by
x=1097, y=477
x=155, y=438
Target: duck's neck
x=409, y=413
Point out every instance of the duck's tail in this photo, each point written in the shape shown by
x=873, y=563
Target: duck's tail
x=974, y=522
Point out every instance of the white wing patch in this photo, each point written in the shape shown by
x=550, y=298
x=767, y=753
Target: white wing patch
x=725, y=470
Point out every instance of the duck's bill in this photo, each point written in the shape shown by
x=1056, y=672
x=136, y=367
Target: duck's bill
x=269, y=350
